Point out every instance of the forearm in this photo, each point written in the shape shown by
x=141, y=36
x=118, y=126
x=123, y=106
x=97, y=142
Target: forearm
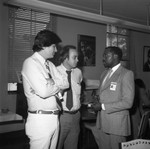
x=39, y=86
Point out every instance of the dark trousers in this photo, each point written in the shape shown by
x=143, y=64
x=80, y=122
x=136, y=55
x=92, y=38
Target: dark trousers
x=69, y=131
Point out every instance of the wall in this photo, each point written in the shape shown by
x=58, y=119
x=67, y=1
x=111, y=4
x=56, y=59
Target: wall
x=3, y=54
x=6, y=100
x=0, y=51
x=68, y=29
x=137, y=41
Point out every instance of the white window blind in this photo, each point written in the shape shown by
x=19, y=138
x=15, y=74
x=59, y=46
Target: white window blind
x=24, y=24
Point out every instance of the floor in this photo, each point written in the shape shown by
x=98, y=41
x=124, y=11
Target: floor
x=86, y=140
x=18, y=140
x=14, y=140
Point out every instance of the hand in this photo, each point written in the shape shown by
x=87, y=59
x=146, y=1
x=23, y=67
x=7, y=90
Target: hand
x=96, y=99
x=62, y=92
x=96, y=107
x=50, y=81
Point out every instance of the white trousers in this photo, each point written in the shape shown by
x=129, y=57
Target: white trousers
x=42, y=130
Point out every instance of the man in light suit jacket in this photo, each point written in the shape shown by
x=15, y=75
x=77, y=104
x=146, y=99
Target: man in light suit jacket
x=116, y=94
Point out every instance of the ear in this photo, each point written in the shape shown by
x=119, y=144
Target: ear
x=43, y=48
x=66, y=59
x=115, y=56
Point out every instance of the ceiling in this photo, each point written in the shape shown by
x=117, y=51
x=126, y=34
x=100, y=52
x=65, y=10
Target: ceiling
x=136, y=11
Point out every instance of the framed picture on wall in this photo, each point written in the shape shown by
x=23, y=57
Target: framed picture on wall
x=87, y=50
x=146, y=58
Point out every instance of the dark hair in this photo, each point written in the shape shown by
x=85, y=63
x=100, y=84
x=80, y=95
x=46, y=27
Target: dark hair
x=45, y=38
x=140, y=83
x=64, y=52
x=115, y=50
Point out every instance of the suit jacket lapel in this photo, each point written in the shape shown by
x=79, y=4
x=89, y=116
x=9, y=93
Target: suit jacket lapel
x=114, y=76
x=102, y=79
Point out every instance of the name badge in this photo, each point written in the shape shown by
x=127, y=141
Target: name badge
x=113, y=86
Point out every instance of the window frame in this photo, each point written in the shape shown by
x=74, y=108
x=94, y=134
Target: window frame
x=118, y=34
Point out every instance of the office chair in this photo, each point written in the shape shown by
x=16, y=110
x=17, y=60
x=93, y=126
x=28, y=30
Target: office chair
x=143, y=140
x=136, y=144
x=144, y=128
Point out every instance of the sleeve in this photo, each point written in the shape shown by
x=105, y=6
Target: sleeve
x=33, y=76
x=60, y=79
x=126, y=96
x=80, y=76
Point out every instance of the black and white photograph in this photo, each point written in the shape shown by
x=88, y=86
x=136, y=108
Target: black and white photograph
x=74, y=74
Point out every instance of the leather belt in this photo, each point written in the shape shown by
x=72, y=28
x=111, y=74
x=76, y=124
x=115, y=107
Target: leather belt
x=71, y=112
x=56, y=112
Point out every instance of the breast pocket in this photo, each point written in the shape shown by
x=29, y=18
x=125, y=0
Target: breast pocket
x=76, y=87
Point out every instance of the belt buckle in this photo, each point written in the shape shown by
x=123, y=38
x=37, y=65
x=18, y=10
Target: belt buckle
x=38, y=112
x=56, y=112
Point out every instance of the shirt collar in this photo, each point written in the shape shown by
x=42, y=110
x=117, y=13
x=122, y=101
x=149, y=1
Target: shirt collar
x=40, y=58
x=116, y=67
x=65, y=68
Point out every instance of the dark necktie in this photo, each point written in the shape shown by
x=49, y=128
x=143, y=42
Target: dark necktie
x=48, y=69
x=69, y=100
x=57, y=95
x=107, y=76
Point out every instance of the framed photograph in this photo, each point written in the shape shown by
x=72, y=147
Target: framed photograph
x=87, y=50
x=146, y=58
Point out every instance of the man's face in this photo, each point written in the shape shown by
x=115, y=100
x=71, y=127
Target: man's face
x=50, y=51
x=72, y=60
x=108, y=59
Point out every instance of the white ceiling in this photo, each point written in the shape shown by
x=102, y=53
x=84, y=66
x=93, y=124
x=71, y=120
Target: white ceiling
x=129, y=10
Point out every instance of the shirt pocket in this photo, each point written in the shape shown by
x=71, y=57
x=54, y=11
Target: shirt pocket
x=76, y=87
